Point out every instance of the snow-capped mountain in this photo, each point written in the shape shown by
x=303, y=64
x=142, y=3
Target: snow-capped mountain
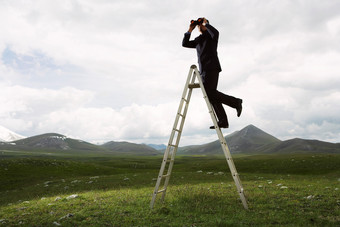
x=7, y=135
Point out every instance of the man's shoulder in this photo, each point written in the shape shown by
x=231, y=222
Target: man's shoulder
x=198, y=37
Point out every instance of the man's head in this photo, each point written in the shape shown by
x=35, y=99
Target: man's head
x=201, y=28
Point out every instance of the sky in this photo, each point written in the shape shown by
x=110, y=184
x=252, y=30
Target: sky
x=102, y=70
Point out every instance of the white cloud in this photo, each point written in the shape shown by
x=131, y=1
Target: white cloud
x=66, y=111
x=28, y=105
x=115, y=70
x=137, y=123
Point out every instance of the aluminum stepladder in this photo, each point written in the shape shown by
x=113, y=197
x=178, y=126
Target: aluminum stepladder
x=170, y=152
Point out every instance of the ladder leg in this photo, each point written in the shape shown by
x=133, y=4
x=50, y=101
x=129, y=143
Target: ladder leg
x=224, y=145
x=233, y=171
x=172, y=147
x=165, y=157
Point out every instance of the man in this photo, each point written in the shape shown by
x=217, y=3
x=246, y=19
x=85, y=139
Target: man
x=209, y=65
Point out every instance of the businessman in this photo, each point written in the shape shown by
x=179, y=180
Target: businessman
x=209, y=65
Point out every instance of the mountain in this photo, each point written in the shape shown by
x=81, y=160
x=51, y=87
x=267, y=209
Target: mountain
x=51, y=141
x=252, y=140
x=298, y=145
x=7, y=135
x=128, y=148
x=248, y=140
x=56, y=143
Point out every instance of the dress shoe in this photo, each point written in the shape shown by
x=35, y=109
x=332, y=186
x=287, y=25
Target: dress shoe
x=239, y=108
x=221, y=124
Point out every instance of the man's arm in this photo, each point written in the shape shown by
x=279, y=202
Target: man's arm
x=186, y=42
x=212, y=31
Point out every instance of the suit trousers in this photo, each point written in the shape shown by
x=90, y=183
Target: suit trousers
x=216, y=98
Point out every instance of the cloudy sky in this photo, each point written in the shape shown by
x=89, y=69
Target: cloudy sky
x=102, y=70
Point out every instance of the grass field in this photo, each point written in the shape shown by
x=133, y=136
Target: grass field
x=282, y=190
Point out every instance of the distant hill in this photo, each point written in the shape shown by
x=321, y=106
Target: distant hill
x=130, y=148
x=54, y=142
x=252, y=140
x=249, y=140
x=51, y=141
x=157, y=146
x=303, y=146
x=7, y=135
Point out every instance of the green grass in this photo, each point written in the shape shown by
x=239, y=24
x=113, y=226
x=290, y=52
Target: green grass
x=282, y=190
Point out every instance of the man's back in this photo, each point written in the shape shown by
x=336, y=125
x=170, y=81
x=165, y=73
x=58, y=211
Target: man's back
x=206, y=46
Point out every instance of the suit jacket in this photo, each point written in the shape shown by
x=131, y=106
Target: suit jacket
x=206, y=47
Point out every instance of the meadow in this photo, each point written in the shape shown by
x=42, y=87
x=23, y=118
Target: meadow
x=282, y=190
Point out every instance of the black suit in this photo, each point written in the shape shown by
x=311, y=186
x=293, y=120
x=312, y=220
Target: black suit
x=209, y=65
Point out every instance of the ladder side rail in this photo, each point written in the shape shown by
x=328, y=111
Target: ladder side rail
x=177, y=118
x=167, y=151
x=185, y=111
x=214, y=118
x=205, y=96
x=232, y=168
x=178, y=115
x=224, y=145
x=234, y=172
x=164, y=161
x=170, y=143
x=188, y=94
x=229, y=159
x=187, y=82
x=236, y=177
x=166, y=154
x=175, y=148
x=184, y=94
x=159, y=178
x=186, y=107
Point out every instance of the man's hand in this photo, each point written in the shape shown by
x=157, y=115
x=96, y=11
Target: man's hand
x=205, y=21
x=191, y=27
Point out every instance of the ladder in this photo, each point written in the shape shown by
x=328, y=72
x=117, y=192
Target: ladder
x=170, y=152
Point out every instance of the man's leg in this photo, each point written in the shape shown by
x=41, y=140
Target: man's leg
x=226, y=99
x=218, y=97
x=230, y=101
x=210, y=81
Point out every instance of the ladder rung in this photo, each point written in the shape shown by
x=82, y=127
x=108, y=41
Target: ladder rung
x=172, y=145
x=177, y=130
x=167, y=175
x=185, y=100
x=160, y=191
x=194, y=85
x=180, y=115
